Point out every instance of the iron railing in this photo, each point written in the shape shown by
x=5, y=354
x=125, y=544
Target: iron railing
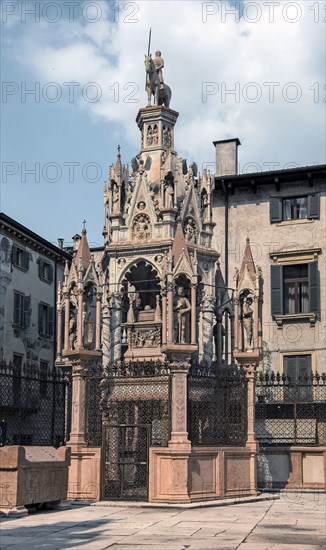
x=290, y=411
x=34, y=406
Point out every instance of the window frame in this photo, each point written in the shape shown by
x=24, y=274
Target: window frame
x=276, y=209
x=20, y=257
x=285, y=258
x=47, y=278
x=48, y=323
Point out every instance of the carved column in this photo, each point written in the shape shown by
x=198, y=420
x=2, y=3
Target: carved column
x=251, y=436
x=106, y=336
x=164, y=315
x=170, y=310
x=59, y=326
x=98, y=321
x=79, y=373
x=179, y=372
x=193, y=313
x=67, y=313
x=80, y=319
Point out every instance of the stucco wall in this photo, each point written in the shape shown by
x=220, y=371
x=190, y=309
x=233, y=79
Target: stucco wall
x=249, y=215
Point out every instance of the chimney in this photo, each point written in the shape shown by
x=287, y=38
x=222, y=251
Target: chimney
x=60, y=243
x=227, y=157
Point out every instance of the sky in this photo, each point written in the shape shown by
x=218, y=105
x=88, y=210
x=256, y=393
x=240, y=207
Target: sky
x=73, y=80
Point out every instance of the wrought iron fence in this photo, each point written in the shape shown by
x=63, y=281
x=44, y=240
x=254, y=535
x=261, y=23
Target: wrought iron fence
x=34, y=406
x=217, y=406
x=290, y=411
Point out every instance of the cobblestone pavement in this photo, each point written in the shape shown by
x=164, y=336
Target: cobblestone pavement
x=296, y=521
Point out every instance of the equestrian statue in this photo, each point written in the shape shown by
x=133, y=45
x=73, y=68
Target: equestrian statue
x=154, y=81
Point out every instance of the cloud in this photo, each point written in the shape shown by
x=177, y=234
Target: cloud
x=245, y=56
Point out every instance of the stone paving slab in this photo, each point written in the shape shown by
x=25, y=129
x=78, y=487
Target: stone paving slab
x=296, y=523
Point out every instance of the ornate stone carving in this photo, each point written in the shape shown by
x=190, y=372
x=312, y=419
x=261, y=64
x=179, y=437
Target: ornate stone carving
x=145, y=339
x=141, y=227
x=190, y=229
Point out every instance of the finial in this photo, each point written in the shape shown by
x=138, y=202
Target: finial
x=84, y=228
x=119, y=147
x=247, y=239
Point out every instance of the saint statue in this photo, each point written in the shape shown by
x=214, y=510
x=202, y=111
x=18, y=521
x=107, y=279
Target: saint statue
x=182, y=310
x=72, y=330
x=169, y=194
x=247, y=317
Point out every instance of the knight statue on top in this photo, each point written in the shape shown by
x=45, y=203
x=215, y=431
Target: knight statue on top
x=154, y=79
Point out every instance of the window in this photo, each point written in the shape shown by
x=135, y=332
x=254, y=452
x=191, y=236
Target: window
x=45, y=271
x=294, y=289
x=45, y=320
x=294, y=208
x=20, y=257
x=43, y=378
x=22, y=306
x=297, y=368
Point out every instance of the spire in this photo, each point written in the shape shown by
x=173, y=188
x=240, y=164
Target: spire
x=179, y=245
x=118, y=164
x=248, y=261
x=83, y=257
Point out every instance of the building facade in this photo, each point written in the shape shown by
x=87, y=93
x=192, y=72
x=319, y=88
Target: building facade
x=31, y=268
x=284, y=213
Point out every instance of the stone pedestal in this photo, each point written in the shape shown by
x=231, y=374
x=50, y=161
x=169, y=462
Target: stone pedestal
x=84, y=471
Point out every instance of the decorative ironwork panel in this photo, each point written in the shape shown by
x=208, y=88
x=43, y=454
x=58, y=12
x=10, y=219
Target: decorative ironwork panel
x=33, y=406
x=126, y=462
x=137, y=414
x=93, y=412
x=217, y=406
x=290, y=411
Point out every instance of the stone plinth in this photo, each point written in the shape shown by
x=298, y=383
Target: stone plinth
x=32, y=475
x=203, y=473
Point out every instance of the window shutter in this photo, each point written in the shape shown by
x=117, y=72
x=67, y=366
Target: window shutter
x=313, y=287
x=25, y=260
x=275, y=209
x=14, y=254
x=26, y=310
x=40, y=267
x=313, y=206
x=277, y=289
x=40, y=318
x=50, y=321
x=17, y=308
x=50, y=272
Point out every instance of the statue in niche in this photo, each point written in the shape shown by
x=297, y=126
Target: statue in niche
x=87, y=324
x=247, y=321
x=169, y=194
x=149, y=136
x=205, y=205
x=72, y=330
x=115, y=198
x=190, y=229
x=142, y=228
x=182, y=310
x=167, y=137
x=155, y=135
